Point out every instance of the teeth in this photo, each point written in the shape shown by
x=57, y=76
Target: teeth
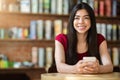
x=81, y=26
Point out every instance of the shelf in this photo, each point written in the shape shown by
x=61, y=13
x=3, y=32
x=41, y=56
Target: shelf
x=61, y=16
x=42, y=14
x=26, y=42
x=2, y=70
x=108, y=20
x=56, y=15
x=114, y=43
x=41, y=42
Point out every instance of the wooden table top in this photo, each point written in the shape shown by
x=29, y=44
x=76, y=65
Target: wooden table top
x=60, y=76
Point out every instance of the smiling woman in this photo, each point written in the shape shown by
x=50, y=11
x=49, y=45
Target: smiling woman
x=81, y=21
x=81, y=41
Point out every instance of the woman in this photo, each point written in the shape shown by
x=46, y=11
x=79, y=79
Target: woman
x=82, y=40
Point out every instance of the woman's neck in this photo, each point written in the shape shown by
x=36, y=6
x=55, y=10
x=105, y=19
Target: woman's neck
x=81, y=38
x=82, y=45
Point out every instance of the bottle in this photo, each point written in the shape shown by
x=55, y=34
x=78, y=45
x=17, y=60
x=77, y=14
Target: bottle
x=3, y=61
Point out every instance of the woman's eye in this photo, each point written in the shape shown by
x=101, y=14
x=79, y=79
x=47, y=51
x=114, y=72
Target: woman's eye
x=86, y=18
x=76, y=18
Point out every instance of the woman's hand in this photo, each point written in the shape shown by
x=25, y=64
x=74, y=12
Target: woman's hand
x=87, y=66
x=91, y=67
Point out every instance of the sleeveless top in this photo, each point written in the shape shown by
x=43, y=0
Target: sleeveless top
x=62, y=38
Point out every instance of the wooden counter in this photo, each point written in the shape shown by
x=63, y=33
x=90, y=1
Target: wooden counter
x=60, y=76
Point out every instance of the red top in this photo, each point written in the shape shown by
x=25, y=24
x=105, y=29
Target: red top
x=62, y=38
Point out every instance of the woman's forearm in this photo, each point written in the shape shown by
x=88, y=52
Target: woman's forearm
x=106, y=68
x=65, y=68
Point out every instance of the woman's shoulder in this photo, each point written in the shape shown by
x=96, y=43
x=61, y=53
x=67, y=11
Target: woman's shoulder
x=100, y=38
x=61, y=36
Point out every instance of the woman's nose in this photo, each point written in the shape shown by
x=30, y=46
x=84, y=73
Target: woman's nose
x=81, y=20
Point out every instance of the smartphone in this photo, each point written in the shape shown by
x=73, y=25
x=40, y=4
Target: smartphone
x=89, y=58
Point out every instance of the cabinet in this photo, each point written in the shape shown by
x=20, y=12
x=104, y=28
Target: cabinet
x=20, y=49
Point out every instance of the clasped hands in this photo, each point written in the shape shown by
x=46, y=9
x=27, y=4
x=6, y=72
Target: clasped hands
x=84, y=66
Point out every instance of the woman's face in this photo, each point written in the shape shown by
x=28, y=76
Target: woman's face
x=82, y=21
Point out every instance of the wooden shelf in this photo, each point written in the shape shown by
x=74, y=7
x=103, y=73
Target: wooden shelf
x=104, y=19
x=108, y=18
x=35, y=14
x=114, y=43
x=55, y=16
x=44, y=41
x=26, y=42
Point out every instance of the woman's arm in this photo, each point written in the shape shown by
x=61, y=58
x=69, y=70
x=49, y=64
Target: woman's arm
x=60, y=59
x=105, y=58
x=62, y=67
x=95, y=67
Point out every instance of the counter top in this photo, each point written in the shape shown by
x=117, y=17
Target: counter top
x=60, y=76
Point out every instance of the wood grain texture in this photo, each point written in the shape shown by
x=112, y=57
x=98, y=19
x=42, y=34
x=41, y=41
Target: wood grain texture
x=59, y=76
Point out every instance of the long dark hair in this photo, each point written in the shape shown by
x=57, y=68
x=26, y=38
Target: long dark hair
x=71, y=56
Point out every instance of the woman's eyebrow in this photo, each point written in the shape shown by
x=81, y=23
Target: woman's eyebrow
x=79, y=15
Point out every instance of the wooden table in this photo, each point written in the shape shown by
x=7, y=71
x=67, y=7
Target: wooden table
x=60, y=76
